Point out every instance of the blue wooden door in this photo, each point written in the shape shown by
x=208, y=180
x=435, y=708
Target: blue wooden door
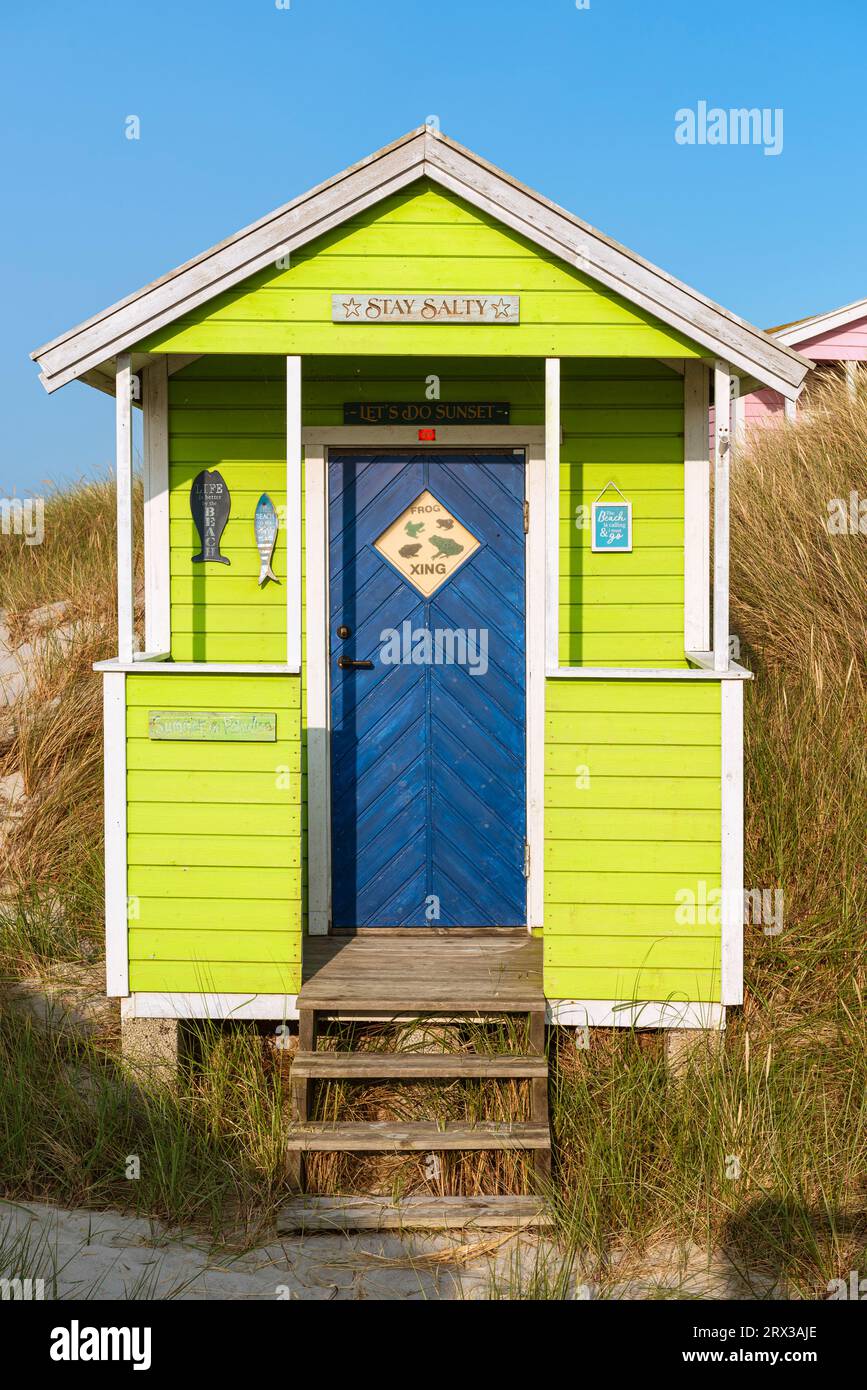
x=428, y=747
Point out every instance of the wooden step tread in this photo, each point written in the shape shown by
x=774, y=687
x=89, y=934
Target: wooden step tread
x=410, y=1066
x=402, y=1002
x=317, y=1214
x=350, y=1136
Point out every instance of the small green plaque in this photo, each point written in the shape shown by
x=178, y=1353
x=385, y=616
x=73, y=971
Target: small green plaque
x=204, y=726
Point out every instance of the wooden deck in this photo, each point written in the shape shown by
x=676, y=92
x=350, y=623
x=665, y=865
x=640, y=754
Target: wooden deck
x=381, y=973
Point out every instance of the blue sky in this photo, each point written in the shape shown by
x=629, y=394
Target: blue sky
x=244, y=105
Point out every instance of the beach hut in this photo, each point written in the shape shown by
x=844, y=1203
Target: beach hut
x=835, y=343
x=434, y=713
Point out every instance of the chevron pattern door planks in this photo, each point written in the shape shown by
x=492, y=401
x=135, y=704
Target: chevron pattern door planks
x=428, y=746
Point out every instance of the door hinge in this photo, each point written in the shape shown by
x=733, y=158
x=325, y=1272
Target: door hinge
x=526, y=517
x=526, y=859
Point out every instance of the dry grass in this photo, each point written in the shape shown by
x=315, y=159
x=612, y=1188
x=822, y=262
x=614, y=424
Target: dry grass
x=75, y=564
x=59, y=604
x=800, y=609
x=798, y=592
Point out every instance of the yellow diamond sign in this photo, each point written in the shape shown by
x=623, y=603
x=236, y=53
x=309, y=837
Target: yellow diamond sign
x=426, y=543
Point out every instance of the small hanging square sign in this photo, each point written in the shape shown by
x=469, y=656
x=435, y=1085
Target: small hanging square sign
x=611, y=527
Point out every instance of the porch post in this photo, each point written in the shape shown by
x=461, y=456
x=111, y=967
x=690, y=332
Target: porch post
x=157, y=542
x=852, y=377
x=123, y=448
x=696, y=508
x=552, y=507
x=293, y=513
x=722, y=461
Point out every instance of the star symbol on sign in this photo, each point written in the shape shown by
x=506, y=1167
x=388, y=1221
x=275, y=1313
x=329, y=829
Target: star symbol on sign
x=500, y=308
x=352, y=308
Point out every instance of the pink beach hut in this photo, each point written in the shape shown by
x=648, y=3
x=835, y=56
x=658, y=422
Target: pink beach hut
x=836, y=342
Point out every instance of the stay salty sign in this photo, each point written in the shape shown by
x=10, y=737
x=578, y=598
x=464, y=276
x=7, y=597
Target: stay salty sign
x=611, y=527
x=426, y=308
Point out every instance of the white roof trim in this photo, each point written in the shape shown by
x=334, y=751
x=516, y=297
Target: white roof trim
x=808, y=329
x=422, y=153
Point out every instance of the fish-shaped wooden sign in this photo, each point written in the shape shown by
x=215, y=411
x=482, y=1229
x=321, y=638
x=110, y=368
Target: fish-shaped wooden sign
x=210, y=504
x=266, y=524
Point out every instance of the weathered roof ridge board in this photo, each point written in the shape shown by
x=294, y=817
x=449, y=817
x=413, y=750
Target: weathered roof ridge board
x=421, y=153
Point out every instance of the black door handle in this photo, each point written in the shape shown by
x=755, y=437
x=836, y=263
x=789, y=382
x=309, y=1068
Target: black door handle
x=346, y=663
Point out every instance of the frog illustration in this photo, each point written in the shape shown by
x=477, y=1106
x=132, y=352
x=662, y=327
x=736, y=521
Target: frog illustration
x=444, y=545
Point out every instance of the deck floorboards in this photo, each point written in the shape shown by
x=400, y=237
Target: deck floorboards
x=409, y=974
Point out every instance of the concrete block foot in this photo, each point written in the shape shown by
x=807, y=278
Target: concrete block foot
x=149, y=1047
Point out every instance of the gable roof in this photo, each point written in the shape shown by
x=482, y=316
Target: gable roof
x=804, y=330
x=422, y=153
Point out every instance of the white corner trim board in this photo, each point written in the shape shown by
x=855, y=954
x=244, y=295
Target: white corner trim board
x=721, y=478
x=124, y=475
x=114, y=790
x=279, y=1007
x=536, y=581
x=611, y=1013
x=696, y=508
x=552, y=512
x=732, y=875
x=293, y=513
x=157, y=552
x=318, y=763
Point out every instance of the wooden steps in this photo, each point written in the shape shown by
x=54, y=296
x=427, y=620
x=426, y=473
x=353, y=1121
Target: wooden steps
x=449, y=981
x=388, y=1136
x=314, y=1215
x=415, y=1066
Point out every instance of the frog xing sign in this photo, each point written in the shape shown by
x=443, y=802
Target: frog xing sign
x=426, y=308
x=426, y=544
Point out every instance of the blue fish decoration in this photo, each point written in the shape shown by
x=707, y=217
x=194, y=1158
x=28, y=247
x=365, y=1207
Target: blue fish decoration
x=266, y=524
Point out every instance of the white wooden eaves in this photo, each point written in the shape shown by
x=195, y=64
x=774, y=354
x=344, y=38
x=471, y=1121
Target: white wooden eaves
x=807, y=329
x=421, y=153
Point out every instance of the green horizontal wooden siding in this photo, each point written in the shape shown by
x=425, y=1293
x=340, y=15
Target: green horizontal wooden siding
x=218, y=612
x=632, y=818
x=214, y=842
x=419, y=240
x=622, y=422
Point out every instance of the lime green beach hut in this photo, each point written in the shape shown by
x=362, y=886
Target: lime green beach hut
x=434, y=711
